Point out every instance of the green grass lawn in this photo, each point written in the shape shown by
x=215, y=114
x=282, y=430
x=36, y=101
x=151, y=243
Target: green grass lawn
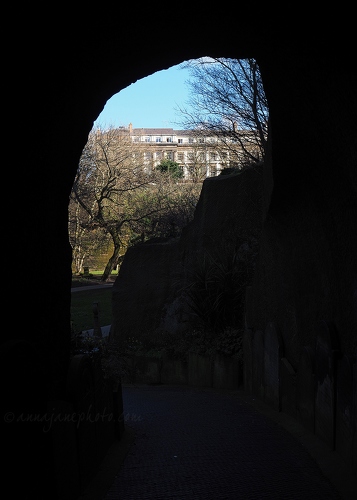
x=82, y=308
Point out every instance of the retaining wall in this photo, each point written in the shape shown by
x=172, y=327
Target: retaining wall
x=321, y=392
x=218, y=371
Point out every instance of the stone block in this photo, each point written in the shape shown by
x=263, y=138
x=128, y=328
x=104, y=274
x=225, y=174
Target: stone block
x=81, y=388
x=249, y=310
x=345, y=416
x=63, y=430
x=147, y=369
x=288, y=388
x=258, y=364
x=174, y=371
x=248, y=360
x=200, y=370
x=325, y=397
x=305, y=389
x=226, y=372
x=273, y=351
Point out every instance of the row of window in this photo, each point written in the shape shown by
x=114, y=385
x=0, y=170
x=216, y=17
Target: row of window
x=191, y=157
x=150, y=138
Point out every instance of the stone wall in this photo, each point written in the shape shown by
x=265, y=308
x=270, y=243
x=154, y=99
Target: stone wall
x=147, y=294
x=197, y=370
x=320, y=393
x=88, y=422
x=299, y=353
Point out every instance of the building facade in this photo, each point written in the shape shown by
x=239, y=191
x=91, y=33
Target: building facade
x=199, y=155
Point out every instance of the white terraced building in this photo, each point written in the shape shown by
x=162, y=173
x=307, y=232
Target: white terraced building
x=200, y=156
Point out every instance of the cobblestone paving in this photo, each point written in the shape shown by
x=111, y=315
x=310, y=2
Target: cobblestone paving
x=197, y=443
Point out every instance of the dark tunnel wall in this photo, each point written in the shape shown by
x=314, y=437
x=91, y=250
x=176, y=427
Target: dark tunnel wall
x=57, y=78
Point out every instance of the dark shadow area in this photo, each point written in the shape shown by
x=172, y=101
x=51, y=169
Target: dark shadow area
x=301, y=310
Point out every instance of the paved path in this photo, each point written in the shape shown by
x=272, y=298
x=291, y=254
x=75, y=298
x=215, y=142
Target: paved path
x=204, y=444
x=90, y=287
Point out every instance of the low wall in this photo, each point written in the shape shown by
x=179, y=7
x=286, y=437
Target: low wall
x=320, y=393
x=87, y=422
x=217, y=371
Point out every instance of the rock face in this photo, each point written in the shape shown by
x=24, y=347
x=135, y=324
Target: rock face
x=148, y=295
x=296, y=272
x=141, y=291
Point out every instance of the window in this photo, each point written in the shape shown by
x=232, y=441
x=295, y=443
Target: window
x=191, y=156
x=190, y=140
x=213, y=156
x=158, y=155
x=180, y=141
x=158, y=139
x=147, y=156
x=180, y=157
x=147, y=139
x=168, y=139
x=170, y=155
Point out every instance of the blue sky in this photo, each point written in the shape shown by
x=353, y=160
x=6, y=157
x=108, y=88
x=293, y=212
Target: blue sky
x=150, y=102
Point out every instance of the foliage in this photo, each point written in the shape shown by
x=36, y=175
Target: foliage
x=107, y=174
x=85, y=344
x=116, y=199
x=115, y=361
x=100, y=350
x=216, y=284
x=171, y=167
x=86, y=241
x=228, y=342
x=177, y=211
x=215, y=291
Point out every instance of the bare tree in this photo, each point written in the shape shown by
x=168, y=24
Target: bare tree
x=197, y=167
x=108, y=175
x=85, y=241
x=177, y=201
x=115, y=194
x=228, y=101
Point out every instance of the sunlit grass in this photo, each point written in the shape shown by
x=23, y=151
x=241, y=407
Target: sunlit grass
x=82, y=316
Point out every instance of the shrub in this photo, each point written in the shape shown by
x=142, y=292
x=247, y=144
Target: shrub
x=172, y=168
x=215, y=291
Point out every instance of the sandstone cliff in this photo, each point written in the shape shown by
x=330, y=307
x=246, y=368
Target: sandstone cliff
x=149, y=293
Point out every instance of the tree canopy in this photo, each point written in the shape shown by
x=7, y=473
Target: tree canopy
x=227, y=99
x=116, y=198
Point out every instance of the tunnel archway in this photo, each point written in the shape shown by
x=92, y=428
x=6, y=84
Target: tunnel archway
x=311, y=88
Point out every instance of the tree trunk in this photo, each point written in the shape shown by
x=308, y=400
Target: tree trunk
x=112, y=262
